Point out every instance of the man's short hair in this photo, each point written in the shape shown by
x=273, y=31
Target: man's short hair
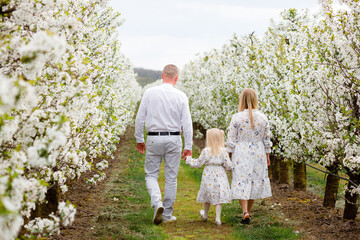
x=171, y=71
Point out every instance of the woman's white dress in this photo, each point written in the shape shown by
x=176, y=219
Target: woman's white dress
x=214, y=187
x=250, y=178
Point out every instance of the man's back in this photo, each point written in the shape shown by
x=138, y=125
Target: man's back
x=164, y=109
x=165, y=106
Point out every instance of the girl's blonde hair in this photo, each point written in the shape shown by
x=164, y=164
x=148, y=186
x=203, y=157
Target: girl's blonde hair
x=215, y=140
x=248, y=100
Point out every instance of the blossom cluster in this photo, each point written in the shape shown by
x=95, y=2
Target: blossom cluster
x=39, y=226
x=66, y=95
x=305, y=70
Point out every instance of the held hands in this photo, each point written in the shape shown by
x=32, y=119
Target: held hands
x=186, y=153
x=140, y=147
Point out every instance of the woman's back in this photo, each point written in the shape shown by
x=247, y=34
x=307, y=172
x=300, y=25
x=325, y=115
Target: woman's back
x=242, y=126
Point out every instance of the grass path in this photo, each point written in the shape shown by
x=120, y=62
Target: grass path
x=121, y=208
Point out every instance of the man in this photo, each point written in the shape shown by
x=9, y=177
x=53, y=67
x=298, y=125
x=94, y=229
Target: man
x=165, y=112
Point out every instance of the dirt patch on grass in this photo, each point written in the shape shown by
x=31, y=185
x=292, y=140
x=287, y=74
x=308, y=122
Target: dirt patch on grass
x=306, y=213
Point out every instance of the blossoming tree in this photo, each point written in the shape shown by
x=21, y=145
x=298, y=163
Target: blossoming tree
x=337, y=44
x=66, y=94
x=306, y=75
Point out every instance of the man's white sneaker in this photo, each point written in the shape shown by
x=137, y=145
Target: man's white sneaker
x=171, y=219
x=157, y=219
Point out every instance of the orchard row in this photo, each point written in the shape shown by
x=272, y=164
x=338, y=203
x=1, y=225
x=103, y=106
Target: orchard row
x=306, y=71
x=66, y=94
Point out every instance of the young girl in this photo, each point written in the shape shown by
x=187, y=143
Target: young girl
x=214, y=188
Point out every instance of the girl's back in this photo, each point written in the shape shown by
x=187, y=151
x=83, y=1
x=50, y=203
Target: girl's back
x=206, y=158
x=214, y=160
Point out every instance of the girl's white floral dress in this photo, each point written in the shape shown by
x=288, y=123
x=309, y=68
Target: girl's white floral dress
x=250, y=178
x=214, y=187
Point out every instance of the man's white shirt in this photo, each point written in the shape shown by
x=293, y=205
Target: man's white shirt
x=164, y=109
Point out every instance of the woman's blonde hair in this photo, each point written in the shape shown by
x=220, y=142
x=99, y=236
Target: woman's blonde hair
x=215, y=140
x=248, y=100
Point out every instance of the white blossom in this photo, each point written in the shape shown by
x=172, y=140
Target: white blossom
x=66, y=95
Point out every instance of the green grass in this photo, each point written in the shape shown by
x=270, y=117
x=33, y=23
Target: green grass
x=316, y=181
x=141, y=219
x=263, y=224
x=273, y=231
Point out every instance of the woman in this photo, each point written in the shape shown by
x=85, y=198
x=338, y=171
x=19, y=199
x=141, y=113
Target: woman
x=249, y=142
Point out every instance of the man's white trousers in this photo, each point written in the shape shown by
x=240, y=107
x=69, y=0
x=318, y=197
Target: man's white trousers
x=157, y=148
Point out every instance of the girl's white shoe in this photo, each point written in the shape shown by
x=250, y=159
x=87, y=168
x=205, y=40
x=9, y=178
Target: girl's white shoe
x=202, y=215
x=218, y=223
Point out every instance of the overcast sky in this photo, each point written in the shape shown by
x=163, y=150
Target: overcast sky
x=158, y=32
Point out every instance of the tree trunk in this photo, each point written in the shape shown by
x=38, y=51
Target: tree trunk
x=198, y=126
x=351, y=207
x=331, y=189
x=275, y=168
x=284, y=171
x=50, y=205
x=299, y=174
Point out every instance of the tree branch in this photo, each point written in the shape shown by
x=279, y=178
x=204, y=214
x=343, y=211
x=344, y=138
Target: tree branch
x=10, y=10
